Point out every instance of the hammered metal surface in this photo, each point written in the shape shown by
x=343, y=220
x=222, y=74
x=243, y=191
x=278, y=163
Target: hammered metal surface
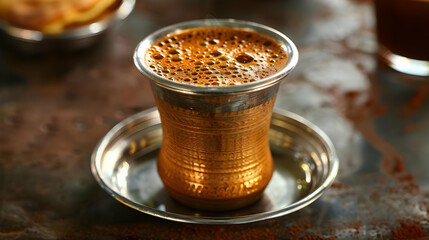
x=215, y=160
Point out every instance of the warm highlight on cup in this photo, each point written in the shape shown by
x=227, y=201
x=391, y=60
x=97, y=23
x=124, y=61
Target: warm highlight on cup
x=215, y=106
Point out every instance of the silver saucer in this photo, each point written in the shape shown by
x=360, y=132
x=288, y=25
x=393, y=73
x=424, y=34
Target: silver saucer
x=124, y=164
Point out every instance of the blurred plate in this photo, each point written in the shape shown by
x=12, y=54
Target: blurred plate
x=76, y=38
x=124, y=164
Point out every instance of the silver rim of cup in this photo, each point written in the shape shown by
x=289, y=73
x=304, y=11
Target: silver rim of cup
x=279, y=37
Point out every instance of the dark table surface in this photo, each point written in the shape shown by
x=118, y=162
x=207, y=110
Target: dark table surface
x=55, y=107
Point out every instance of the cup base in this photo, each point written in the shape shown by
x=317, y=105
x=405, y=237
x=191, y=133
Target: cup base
x=404, y=64
x=215, y=204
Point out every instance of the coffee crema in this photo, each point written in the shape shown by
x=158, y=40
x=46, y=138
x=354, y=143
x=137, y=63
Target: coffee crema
x=215, y=56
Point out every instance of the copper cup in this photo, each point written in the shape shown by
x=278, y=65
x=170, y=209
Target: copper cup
x=215, y=151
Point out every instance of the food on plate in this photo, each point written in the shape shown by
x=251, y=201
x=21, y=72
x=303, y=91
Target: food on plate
x=54, y=16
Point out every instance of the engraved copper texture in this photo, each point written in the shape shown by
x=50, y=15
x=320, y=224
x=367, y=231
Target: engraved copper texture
x=215, y=160
x=215, y=153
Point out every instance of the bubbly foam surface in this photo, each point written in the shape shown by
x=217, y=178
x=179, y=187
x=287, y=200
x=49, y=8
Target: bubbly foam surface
x=215, y=56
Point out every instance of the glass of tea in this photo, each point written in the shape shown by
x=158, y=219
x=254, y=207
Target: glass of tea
x=215, y=83
x=403, y=34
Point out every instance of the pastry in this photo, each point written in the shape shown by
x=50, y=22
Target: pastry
x=54, y=16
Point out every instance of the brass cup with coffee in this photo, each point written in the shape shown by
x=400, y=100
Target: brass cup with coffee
x=215, y=83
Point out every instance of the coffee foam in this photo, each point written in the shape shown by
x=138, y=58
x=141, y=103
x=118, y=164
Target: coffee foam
x=215, y=56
